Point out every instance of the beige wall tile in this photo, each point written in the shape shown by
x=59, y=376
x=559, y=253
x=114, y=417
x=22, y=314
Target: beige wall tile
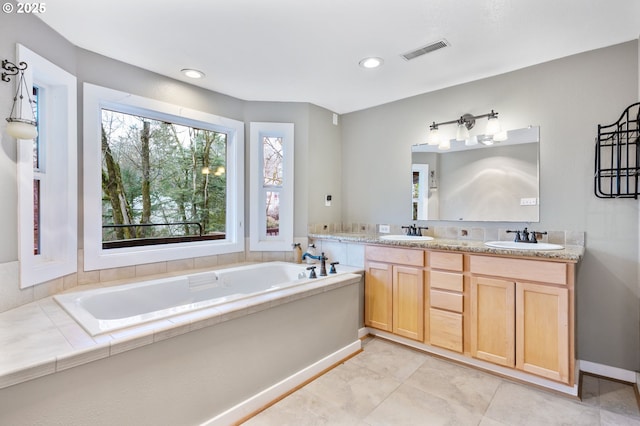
x=117, y=273
x=151, y=269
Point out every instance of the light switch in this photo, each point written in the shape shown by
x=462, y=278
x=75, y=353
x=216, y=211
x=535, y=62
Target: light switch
x=327, y=200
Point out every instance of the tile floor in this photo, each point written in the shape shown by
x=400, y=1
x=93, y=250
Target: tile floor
x=388, y=384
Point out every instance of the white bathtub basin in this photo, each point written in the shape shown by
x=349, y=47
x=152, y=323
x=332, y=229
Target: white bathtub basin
x=512, y=245
x=107, y=309
x=405, y=238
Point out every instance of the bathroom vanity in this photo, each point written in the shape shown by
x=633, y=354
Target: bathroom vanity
x=479, y=305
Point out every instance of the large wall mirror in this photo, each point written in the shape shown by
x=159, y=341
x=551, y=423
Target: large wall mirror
x=496, y=182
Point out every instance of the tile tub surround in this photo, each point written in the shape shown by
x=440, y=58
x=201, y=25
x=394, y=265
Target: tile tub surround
x=40, y=338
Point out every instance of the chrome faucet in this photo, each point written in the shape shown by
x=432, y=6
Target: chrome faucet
x=322, y=258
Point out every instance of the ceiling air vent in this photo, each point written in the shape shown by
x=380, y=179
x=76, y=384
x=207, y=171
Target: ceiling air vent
x=426, y=49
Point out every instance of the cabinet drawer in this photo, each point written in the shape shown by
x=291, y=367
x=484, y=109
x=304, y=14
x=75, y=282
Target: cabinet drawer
x=519, y=269
x=450, y=261
x=395, y=255
x=445, y=329
x=446, y=281
x=446, y=300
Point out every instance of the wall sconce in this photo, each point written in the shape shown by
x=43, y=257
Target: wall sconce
x=19, y=127
x=465, y=123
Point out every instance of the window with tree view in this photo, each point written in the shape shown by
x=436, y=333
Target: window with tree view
x=162, y=182
x=272, y=153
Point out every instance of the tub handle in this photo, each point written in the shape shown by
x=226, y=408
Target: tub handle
x=312, y=274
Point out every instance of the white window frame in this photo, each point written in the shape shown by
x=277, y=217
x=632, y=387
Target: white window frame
x=259, y=240
x=95, y=257
x=58, y=225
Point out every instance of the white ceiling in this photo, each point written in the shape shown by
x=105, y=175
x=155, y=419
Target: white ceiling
x=308, y=50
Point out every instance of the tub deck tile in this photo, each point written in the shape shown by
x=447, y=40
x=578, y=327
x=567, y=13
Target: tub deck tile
x=204, y=318
x=169, y=330
x=33, y=371
x=85, y=356
x=124, y=344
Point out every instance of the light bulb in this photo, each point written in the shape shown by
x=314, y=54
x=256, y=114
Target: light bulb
x=462, y=133
x=21, y=130
x=434, y=137
x=371, y=62
x=493, y=126
x=191, y=73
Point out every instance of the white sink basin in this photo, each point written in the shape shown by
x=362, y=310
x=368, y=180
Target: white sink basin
x=405, y=238
x=523, y=246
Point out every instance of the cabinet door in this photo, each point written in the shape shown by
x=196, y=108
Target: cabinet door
x=378, y=295
x=492, y=320
x=445, y=329
x=542, y=330
x=408, y=302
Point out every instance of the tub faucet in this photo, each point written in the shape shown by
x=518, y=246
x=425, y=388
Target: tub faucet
x=312, y=274
x=322, y=258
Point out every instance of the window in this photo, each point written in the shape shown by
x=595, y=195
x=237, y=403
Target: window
x=272, y=186
x=47, y=176
x=162, y=182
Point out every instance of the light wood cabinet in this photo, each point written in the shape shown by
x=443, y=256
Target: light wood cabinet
x=394, y=293
x=514, y=312
x=445, y=315
x=493, y=320
x=408, y=296
x=520, y=324
x=542, y=330
x=378, y=289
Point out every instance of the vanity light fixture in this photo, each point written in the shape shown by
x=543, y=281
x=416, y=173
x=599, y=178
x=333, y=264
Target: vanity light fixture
x=371, y=62
x=465, y=123
x=18, y=126
x=191, y=73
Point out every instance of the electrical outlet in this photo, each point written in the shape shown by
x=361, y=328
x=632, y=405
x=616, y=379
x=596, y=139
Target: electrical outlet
x=528, y=201
x=384, y=229
x=327, y=200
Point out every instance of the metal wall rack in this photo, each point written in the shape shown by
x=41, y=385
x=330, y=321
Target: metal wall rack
x=617, y=165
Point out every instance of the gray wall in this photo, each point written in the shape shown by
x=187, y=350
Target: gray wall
x=567, y=98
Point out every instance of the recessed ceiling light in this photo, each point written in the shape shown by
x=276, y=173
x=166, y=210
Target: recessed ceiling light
x=191, y=73
x=371, y=62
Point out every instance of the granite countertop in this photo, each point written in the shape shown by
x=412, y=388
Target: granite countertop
x=570, y=253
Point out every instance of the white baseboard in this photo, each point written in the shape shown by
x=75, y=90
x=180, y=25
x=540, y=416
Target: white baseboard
x=364, y=331
x=608, y=371
x=262, y=399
